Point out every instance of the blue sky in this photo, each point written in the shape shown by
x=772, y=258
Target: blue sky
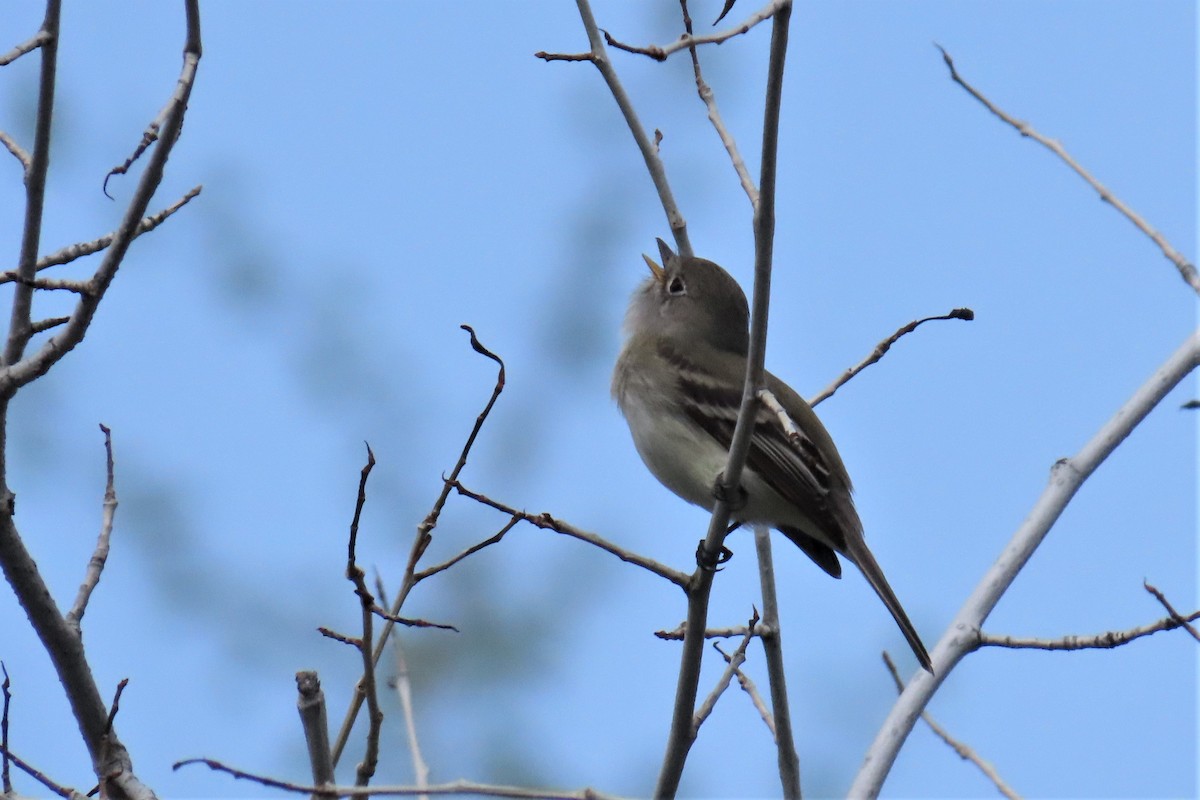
x=377, y=174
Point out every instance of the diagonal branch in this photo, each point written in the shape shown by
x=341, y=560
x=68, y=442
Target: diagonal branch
x=72, y=252
x=882, y=348
x=547, y=522
x=962, y=634
x=687, y=40
x=714, y=114
x=1175, y=617
x=964, y=751
x=17, y=373
x=10, y=144
x=100, y=554
x=39, y=39
x=1187, y=270
x=420, y=543
x=649, y=148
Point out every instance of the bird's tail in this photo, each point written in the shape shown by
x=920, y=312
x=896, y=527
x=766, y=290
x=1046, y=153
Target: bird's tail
x=861, y=556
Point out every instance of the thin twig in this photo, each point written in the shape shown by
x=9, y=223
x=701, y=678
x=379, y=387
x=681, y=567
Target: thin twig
x=1187, y=270
x=72, y=252
x=732, y=663
x=116, y=704
x=404, y=692
x=714, y=114
x=366, y=768
x=1099, y=641
x=882, y=348
x=547, y=522
x=49, y=284
x=964, y=751
x=647, y=146
x=100, y=554
x=5, y=777
x=41, y=777
x=40, y=38
x=18, y=152
x=662, y=52
x=785, y=745
x=751, y=689
x=403, y=686
x=676, y=635
x=456, y=787
x=1175, y=617
x=421, y=542
x=48, y=323
x=475, y=548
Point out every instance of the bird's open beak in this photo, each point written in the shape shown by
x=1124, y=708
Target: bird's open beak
x=655, y=269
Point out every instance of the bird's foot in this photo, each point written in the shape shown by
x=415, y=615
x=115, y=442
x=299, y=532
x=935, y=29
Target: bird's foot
x=711, y=562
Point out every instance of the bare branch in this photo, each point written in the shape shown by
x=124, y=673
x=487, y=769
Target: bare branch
x=962, y=634
x=116, y=704
x=421, y=542
x=648, y=148
x=475, y=548
x=1099, y=641
x=457, y=787
x=883, y=347
x=714, y=114
x=49, y=284
x=11, y=145
x=403, y=686
x=20, y=371
x=5, y=777
x=1187, y=270
x=36, y=170
x=329, y=633
x=662, y=52
x=965, y=752
x=40, y=38
x=676, y=635
x=49, y=323
x=781, y=715
x=75, y=251
x=311, y=706
x=544, y=56
x=40, y=777
x=679, y=740
x=732, y=663
x=366, y=768
x=100, y=554
x=749, y=688
x=1175, y=617
x=547, y=522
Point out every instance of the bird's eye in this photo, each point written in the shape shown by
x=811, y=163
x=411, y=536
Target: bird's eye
x=676, y=286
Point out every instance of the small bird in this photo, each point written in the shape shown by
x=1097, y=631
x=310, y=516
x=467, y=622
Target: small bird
x=678, y=382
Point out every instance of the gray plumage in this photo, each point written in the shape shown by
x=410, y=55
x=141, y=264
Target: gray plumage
x=678, y=381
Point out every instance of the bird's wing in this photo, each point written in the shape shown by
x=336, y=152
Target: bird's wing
x=796, y=467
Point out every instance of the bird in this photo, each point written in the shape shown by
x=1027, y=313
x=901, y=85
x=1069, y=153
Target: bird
x=678, y=381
